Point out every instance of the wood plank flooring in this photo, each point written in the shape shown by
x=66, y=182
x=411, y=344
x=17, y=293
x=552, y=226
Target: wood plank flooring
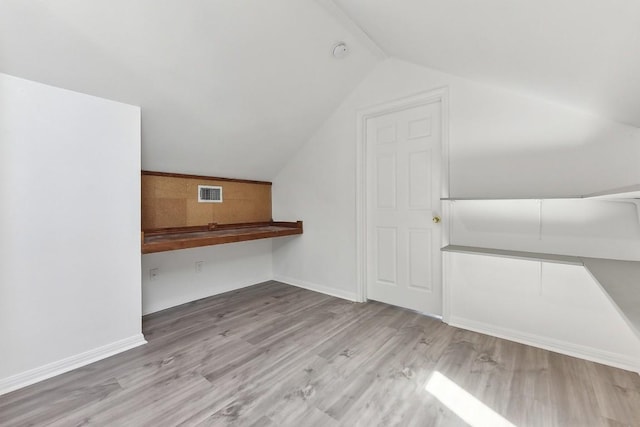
x=276, y=355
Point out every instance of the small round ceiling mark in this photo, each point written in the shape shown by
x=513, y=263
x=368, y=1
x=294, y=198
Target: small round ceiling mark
x=340, y=50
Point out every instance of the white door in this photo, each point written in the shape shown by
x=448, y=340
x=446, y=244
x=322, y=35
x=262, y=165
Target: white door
x=403, y=156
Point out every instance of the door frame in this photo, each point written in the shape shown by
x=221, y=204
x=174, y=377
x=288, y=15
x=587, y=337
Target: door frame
x=441, y=95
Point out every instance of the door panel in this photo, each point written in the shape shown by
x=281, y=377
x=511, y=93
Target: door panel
x=387, y=244
x=420, y=180
x=403, y=195
x=420, y=259
x=386, y=181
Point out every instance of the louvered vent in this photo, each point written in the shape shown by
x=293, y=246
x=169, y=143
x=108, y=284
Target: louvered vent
x=209, y=194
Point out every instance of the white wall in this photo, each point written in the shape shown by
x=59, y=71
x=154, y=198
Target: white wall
x=554, y=306
x=591, y=228
x=318, y=187
x=70, y=230
x=224, y=268
x=501, y=144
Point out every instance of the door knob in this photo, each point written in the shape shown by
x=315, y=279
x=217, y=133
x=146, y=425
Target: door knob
x=436, y=219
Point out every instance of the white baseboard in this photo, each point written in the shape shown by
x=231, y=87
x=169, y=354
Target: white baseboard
x=551, y=344
x=41, y=373
x=350, y=296
x=163, y=305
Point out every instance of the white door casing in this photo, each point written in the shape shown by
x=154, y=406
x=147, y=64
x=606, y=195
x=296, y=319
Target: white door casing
x=401, y=151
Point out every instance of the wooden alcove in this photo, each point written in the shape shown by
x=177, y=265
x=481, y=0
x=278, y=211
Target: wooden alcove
x=172, y=217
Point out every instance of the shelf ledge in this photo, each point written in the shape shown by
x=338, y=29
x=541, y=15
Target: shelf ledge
x=504, y=253
x=629, y=192
x=454, y=199
x=171, y=239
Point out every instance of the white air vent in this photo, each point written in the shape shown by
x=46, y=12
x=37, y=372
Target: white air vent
x=209, y=194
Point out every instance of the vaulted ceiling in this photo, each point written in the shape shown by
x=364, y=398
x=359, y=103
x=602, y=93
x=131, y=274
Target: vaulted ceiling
x=227, y=87
x=584, y=53
x=234, y=87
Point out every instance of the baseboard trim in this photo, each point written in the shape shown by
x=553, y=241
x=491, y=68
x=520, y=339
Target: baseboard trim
x=350, y=296
x=551, y=344
x=50, y=370
x=210, y=293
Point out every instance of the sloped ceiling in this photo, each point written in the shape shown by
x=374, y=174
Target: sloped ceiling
x=227, y=87
x=584, y=53
x=234, y=87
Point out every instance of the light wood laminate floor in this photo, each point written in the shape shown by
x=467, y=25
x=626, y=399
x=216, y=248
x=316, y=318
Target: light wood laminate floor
x=273, y=354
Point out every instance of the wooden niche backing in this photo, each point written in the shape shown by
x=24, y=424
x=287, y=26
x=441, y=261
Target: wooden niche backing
x=172, y=217
x=171, y=200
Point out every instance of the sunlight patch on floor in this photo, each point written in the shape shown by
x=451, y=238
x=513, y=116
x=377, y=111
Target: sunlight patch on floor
x=464, y=405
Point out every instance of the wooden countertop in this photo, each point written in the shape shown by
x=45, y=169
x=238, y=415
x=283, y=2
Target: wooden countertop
x=170, y=239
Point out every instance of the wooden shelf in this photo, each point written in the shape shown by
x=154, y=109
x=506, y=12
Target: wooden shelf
x=171, y=239
x=504, y=253
x=629, y=192
x=619, y=279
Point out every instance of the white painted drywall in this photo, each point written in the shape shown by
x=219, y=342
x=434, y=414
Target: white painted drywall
x=227, y=88
x=501, y=144
x=224, y=268
x=69, y=227
x=536, y=46
x=591, y=228
x=554, y=306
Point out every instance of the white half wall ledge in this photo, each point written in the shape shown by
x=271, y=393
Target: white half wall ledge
x=59, y=367
x=338, y=293
x=620, y=193
x=506, y=253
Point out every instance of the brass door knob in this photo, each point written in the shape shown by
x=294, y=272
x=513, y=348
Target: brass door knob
x=436, y=219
